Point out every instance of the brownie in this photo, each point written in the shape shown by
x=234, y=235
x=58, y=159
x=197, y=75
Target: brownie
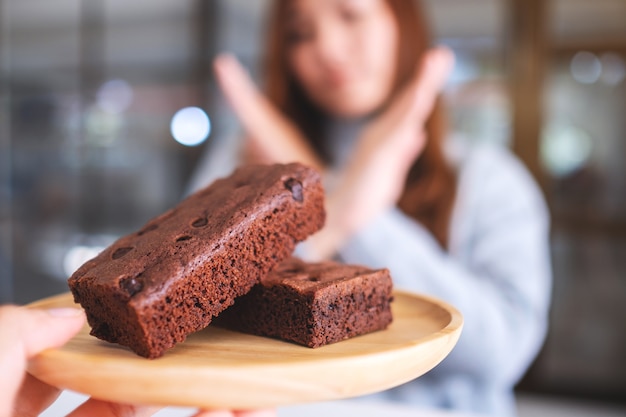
x=314, y=304
x=152, y=288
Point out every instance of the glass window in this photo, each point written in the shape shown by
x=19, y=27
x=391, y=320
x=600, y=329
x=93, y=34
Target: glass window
x=91, y=88
x=582, y=155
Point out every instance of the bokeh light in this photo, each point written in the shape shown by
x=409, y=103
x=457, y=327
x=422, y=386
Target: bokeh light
x=565, y=149
x=586, y=68
x=114, y=96
x=190, y=126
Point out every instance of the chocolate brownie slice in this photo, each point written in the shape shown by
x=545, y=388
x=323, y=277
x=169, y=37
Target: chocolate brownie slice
x=314, y=304
x=150, y=289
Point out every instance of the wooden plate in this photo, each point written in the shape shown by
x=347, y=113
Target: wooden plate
x=217, y=368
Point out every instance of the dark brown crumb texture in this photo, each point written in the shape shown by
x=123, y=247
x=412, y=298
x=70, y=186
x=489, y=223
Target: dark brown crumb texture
x=152, y=288
x=314, y=304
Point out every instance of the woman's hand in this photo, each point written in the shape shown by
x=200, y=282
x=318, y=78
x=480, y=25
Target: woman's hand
x=24, y=333
x=374, y=178
x=272, y=138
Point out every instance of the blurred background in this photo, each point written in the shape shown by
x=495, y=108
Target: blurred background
x=106, y=106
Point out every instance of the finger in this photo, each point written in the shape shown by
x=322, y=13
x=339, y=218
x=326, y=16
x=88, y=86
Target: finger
x=240, y=91
x=23, y=334
x=254, y=111
x=415, y=101
x=274, y=135
x=215, y=413
x=93, y=407
x=248, y=413
x=45, y=329
x=34, y=396
x=36, y=330
x=430, y=80
x=256, y=413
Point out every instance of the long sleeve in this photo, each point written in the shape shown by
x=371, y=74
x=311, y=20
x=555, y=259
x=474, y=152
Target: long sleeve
x=497, y=272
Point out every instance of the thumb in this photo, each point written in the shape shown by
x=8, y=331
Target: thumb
x=33, y=331
x=23, y=334
x=43, y=329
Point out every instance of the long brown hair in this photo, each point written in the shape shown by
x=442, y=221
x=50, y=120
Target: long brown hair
x=430, y=187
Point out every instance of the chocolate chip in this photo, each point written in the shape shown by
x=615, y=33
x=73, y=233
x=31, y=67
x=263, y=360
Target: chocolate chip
x=183, y=238
x=295, y=187
x=119, y=252
x=131, y=285
x=200, y=222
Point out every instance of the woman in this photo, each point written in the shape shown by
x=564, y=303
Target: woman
x=352, y=88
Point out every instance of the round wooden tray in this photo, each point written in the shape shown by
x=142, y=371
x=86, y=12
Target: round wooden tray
x=217, y=368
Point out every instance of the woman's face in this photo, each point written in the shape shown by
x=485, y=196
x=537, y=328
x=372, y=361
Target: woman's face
x=343, y=53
